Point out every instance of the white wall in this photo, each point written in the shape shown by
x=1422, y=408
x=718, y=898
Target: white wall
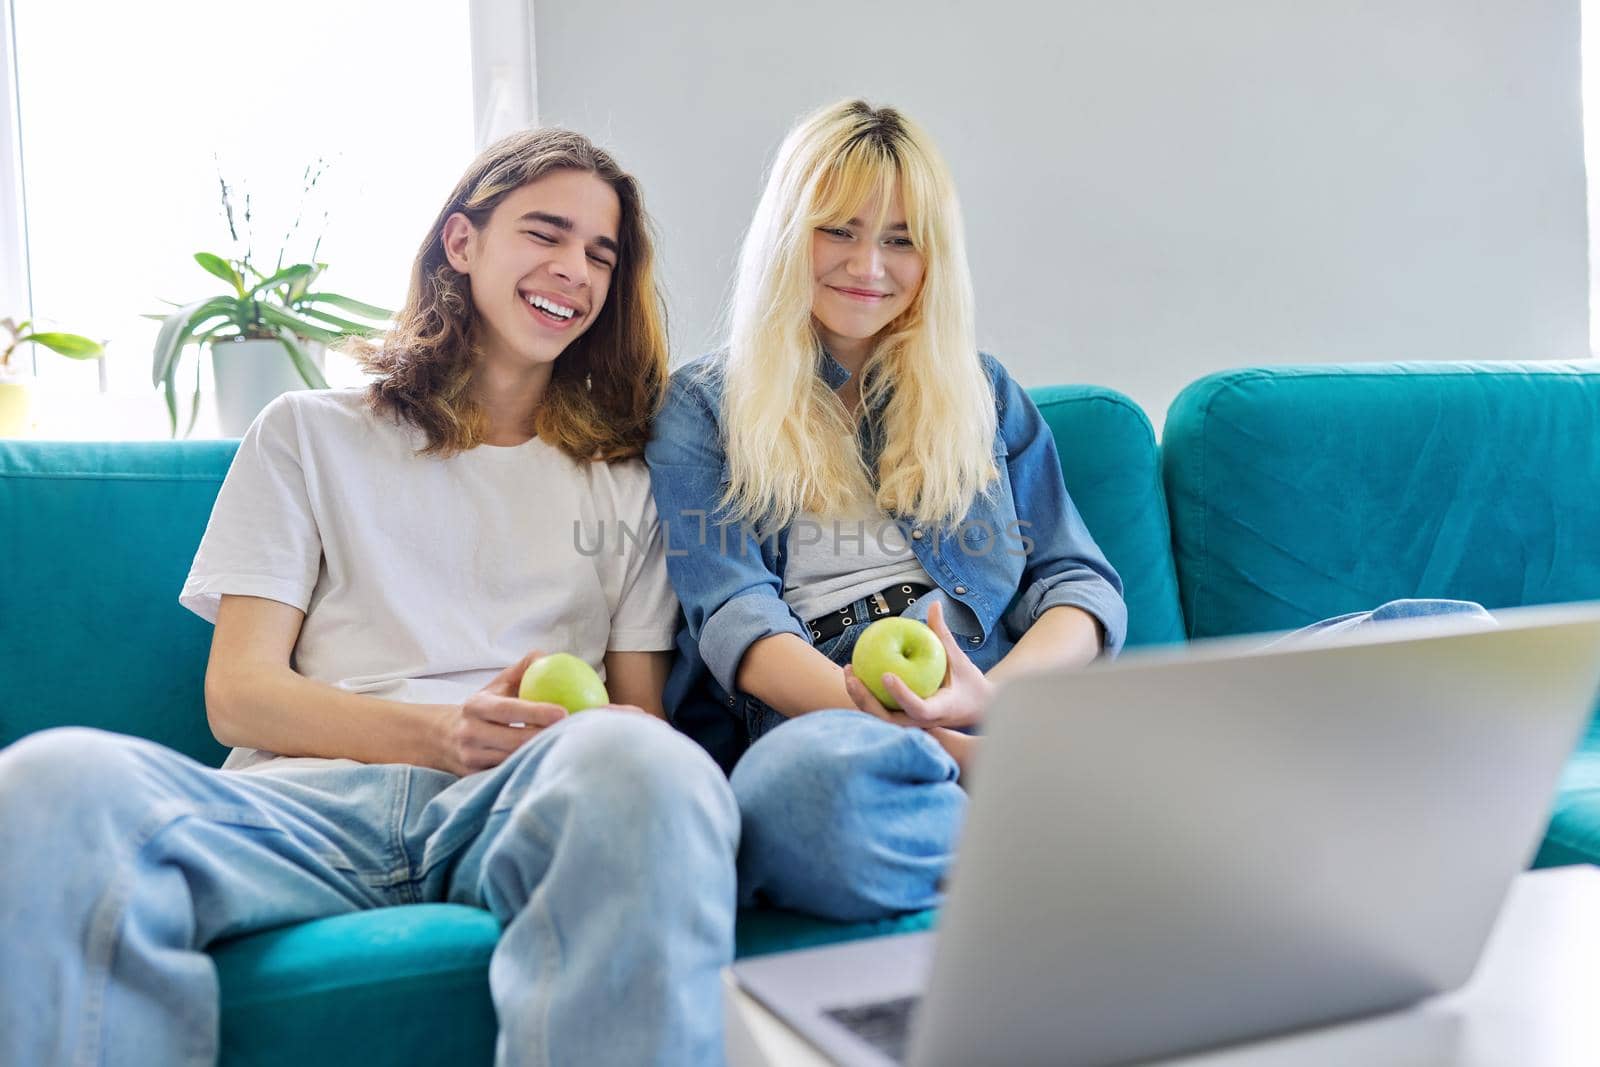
x=1154, y=189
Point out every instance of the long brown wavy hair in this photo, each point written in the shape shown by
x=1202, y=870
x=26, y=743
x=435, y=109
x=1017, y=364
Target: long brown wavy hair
x=604, y=388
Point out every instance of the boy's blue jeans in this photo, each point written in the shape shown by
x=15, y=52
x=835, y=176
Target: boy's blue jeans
x=849, y=817
x=605, y=846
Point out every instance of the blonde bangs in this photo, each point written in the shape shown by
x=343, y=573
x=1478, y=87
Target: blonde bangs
x=862, y=173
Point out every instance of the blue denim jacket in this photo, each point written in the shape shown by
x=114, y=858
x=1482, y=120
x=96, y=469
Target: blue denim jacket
x=1021, y=549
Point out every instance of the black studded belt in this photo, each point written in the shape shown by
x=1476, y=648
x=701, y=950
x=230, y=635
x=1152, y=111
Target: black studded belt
x=888, y=601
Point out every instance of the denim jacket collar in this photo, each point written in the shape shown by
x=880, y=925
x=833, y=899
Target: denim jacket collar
x=833, y=372
x=869, y=431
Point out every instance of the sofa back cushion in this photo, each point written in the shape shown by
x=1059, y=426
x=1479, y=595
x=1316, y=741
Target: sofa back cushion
x=1298, y=493
x=1112, y=469
x=95, y=542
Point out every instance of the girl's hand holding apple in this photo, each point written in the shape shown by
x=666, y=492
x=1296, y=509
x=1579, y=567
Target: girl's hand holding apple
x=960, y=699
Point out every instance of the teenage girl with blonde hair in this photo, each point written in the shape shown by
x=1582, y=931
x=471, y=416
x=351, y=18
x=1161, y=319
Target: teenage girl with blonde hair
x=848, y=456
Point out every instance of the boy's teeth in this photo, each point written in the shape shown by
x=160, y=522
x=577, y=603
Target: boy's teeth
x=555, y=309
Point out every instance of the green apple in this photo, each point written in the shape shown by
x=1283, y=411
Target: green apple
x=562, y=678
x=905, y=648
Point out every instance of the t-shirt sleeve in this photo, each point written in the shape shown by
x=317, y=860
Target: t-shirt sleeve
x=262, y=537
x=646, y=615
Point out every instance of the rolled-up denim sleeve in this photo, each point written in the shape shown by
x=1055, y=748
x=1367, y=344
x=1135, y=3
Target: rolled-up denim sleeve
x=731, y=597
x=1064, y=565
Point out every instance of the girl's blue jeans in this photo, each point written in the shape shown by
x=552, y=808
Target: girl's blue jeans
x=605, y=846
x=848, y=817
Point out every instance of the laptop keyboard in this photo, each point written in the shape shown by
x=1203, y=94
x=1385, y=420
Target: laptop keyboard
x=885, y=1025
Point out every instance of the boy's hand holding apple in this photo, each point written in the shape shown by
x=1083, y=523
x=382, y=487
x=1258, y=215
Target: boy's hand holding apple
x=492, y=723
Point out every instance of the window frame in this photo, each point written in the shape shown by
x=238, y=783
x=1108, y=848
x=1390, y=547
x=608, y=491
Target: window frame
x=16, y=290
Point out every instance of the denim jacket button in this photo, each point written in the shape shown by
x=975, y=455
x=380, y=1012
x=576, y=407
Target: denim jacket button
x=976, y=640
x=960, y=590
x=916, y=535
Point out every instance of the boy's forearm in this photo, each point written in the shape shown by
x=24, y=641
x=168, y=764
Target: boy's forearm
x=283, y=712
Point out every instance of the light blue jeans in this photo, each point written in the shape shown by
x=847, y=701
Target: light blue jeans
x=605, y=846
x=847, y=817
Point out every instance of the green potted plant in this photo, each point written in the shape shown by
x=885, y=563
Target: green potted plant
x=15, y=391
x=266, y=333
x=266, y=336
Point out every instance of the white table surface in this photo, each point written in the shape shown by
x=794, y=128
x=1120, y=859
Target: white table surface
x=1533, y=1002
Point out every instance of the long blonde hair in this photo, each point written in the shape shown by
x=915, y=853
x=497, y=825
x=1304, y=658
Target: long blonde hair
x=791, y=444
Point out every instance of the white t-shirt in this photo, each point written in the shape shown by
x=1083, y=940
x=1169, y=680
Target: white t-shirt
x=421, y=577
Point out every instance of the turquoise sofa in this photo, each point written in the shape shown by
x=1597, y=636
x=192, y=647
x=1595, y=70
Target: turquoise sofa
x=1278, y=496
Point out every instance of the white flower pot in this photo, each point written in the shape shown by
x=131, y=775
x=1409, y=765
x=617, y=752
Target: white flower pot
x=249, y=374
x=16, y=404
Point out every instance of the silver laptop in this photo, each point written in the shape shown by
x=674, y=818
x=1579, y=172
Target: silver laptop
x=1186, y=849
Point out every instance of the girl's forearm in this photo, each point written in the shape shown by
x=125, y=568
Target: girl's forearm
x=787, y=673
x=1064, y=636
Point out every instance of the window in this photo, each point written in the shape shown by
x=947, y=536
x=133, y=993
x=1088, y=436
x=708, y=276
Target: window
x=126, y=113
x=1589, y=51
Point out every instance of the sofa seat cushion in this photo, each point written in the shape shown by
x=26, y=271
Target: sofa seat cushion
x=1574, y=832
x=762, y=931
x=411, y=984
x=394, y=985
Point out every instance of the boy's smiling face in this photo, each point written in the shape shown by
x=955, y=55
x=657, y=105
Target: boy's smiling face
x=541, y=267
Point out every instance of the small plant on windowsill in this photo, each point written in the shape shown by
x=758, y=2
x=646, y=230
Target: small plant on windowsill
x=15, y=391
x=266, y=334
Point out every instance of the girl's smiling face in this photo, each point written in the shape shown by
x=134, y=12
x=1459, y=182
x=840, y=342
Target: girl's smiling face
x=863, y=281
